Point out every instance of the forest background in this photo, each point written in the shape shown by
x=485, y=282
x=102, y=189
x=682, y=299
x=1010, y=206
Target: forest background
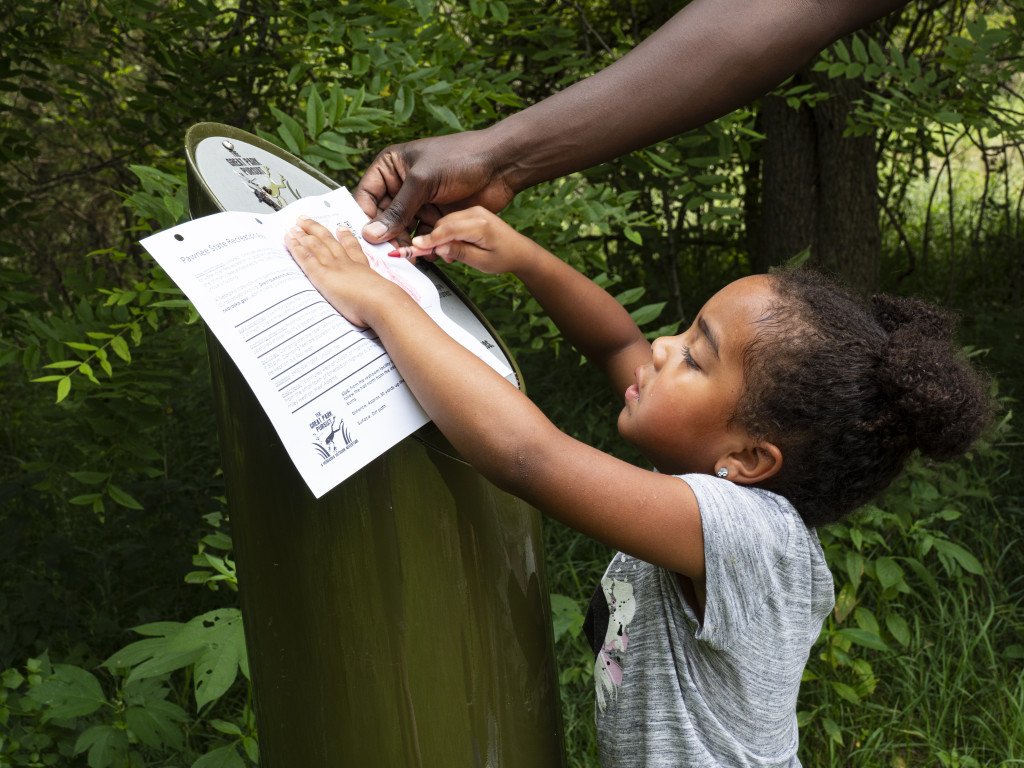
x=894, y=159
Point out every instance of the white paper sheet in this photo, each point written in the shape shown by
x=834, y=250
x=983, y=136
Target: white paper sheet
x=329, y=388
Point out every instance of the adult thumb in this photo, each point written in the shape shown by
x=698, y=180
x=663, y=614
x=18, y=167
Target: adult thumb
x=394, y=220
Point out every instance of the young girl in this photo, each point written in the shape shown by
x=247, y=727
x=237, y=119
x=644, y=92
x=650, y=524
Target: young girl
x=784, y=406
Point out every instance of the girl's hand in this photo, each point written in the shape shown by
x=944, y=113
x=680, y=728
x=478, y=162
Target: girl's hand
x=480, y=239
x=338, y=269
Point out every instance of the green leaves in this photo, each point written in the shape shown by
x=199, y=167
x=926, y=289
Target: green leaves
x=898, y=628
x=888, y=561
x=71, y=692
x=405, y=103
x=224, y=657
x=157, y=724
x=445, y=115
x=117, y=343
x=644, y=314
x=949, y=78
x=315, y=114
x=122, y=497
x=566, y=616
x=863, y=638
x=65, y=711
x=215, y=569
x=63, y=387
x=107, y=746
x=164, y=195
x=888, y=573
x=222, y=757
x=289, y=130
x=953, y=553
x=213, y=644
x=120, y=347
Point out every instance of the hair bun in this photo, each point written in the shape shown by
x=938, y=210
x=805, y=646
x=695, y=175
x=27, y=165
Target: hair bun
x=938, y=400
x=894, y=313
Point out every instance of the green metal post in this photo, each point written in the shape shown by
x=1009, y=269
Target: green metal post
x=402, y=619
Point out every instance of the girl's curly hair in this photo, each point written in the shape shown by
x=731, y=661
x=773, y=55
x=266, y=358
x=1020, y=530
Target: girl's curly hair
x=847, y=391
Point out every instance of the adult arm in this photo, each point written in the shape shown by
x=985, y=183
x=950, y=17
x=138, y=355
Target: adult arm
x=711, y=57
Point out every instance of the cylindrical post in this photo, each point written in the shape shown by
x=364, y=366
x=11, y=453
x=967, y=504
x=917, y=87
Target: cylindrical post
x=400, y=620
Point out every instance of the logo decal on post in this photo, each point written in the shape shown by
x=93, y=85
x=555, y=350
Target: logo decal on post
x=257, y=178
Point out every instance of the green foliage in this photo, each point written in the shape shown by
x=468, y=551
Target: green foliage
x=61, y=714
x=905, y=578
x=215, y=569
x=940, y=98
x=138, y=712
x=403, y=70
x=575, y=567
x=956, y=75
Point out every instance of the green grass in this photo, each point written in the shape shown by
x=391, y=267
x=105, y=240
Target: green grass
x=955, y=696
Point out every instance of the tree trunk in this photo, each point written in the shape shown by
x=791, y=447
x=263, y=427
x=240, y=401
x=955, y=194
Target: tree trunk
x=819, y=188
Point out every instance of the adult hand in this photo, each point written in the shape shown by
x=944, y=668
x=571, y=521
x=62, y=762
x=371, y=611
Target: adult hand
x=426, y=179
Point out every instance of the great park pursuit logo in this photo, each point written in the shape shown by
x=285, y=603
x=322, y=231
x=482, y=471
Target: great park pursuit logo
x=331, y=437
x=258, y=178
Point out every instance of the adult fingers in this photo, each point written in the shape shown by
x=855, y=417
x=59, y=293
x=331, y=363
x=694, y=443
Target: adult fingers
x=390, y=195
x=395, y=219
x=381, y=180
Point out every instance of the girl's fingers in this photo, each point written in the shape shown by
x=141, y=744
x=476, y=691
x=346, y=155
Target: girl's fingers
x=309, y=239
x=313, y=227
x=461, y=225
x=350, y=244
x=306, y=241
x=299, y=245
x=316, y=237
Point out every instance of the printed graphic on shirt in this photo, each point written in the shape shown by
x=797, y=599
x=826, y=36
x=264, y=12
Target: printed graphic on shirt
x=611, y=657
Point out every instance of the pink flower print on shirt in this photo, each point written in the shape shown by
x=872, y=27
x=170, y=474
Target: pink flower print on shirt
x=608, y=665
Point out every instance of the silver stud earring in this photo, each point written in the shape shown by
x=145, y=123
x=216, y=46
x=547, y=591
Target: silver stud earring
x=723, y=472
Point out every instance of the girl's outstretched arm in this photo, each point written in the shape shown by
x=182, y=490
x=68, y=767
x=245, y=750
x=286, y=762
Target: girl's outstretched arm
x=591, y=319
x=651, y=516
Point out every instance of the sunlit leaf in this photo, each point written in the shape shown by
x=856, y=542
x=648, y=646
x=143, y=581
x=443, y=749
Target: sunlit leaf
x=63, y=387
x=120, y=346
x=315, y=114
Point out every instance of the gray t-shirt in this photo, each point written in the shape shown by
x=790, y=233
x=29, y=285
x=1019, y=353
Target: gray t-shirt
x=673, y=691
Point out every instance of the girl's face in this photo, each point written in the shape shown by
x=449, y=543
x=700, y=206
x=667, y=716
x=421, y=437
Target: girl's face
x=678, y=411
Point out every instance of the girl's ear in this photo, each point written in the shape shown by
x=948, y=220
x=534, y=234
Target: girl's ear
x=753, y=464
